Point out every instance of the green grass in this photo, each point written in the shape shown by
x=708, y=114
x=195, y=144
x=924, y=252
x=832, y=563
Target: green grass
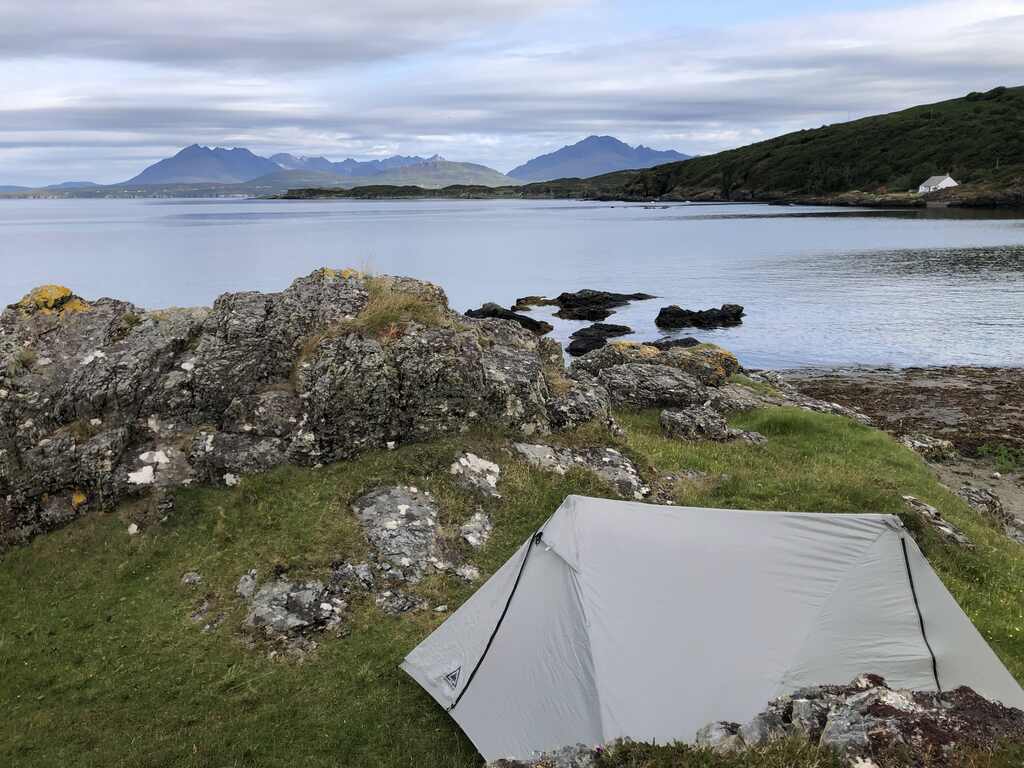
x=100, y=664
x=760, y=387
x=1007, y=458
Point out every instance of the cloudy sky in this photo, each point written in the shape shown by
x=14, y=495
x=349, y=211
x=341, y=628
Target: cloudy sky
x=99, y=90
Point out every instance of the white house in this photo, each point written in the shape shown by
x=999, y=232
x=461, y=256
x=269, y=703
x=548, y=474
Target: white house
x=936, y=183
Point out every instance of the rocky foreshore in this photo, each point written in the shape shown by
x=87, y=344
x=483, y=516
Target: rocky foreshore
x=966, y=421
x=102, y=400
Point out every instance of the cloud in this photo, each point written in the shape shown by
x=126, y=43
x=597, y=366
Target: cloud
x=254, y=33
x=491, y=82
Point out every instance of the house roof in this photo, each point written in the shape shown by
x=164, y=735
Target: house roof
x=931, y=181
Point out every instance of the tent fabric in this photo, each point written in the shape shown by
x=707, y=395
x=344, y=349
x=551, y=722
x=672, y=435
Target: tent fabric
x=647, y=621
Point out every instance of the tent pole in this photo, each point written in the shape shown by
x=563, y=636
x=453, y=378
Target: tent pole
x=920, y=617
x=534, y=540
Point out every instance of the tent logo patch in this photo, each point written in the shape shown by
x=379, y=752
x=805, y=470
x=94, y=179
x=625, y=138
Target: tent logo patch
x=452, y=678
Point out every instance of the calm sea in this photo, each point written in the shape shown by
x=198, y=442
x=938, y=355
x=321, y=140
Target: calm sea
x=821, y=286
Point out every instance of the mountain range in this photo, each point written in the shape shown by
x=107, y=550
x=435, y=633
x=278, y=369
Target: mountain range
x=592, y=156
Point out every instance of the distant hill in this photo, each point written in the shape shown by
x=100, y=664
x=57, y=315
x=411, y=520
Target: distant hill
x=592, y=156
x=436, y=173
x=978, y=139
x=196, y=164
x=73, y=185
x=347, y=167
x=13, y=188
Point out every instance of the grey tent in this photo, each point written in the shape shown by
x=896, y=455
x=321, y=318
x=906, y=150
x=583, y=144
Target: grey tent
x=629, y=619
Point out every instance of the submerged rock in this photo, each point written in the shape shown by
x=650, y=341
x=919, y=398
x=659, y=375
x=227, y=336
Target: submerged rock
x=594, y=337
x=586, y=304
x=498, y=312
x=674, y=316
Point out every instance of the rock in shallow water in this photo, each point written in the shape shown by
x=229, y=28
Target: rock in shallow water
x=594, y=337
x=498, y=312
x=674, y=316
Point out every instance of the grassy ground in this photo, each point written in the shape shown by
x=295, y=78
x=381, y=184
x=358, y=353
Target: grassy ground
x=100, y=664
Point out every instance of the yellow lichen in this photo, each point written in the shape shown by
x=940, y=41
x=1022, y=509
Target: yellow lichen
x=78, y=498
x=345, y=274
x=48, y=299
x=76, y=305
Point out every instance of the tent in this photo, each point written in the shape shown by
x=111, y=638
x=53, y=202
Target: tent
x=628, y=619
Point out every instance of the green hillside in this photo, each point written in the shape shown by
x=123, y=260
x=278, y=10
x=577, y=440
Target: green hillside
x=435, y=174
x=979, y=139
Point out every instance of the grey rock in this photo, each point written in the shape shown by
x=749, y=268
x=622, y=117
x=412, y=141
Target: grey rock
x=192, y=579
x=400, y=523
x=845, y=729
x=932, y=517
x=808, y=716
x=645, y=385
x=701, y=422
x=395, y=603
x=477, y=473
x=763, y=728
x=584, y=400
x=607, y=463
x=477, y=530
x=721, y=736
x=931, y=448
x=285, y=607
x=247, y=585
x=348, y=577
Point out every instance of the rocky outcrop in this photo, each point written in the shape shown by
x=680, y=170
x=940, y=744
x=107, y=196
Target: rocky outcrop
x=104, y=400
x=498, y=312
x=594, y=337
x=865, y=723
x=989, y=505
x=674, y=316
x=607, y=463
x=701, y=422
x=867, y=719
x=931, y=448
x=710, y=365
x=933, y=518
x=668, y=342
